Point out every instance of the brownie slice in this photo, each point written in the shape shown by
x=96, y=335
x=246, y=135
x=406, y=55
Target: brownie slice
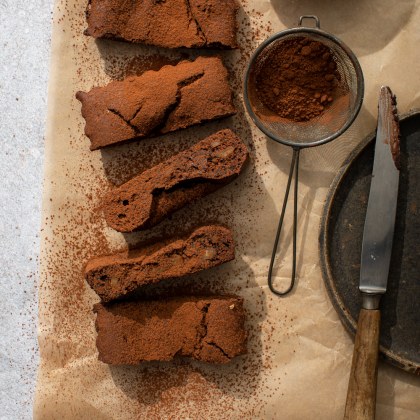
x=170, y=24
x=148, y=198
x=116, y=275
x=157, y=102
x=210, y=329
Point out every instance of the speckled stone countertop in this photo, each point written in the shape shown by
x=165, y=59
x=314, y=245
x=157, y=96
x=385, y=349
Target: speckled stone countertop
x=24, y=63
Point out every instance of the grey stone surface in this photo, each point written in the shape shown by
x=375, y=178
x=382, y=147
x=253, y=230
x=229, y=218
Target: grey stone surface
x=24, y=63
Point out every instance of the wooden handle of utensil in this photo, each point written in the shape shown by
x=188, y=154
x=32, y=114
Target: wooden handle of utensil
x=361, y=393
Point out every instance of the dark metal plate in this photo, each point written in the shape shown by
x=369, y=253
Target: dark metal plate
x=341, y=243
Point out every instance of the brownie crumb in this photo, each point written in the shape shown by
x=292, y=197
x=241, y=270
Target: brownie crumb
x=394, y=131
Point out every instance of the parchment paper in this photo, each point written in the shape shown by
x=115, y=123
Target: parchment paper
x=299, y=353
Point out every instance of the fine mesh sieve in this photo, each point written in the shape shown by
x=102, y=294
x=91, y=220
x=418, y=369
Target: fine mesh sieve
x=331, y=123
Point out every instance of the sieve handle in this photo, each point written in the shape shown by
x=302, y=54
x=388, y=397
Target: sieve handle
x=315, y=18
x=293, y=166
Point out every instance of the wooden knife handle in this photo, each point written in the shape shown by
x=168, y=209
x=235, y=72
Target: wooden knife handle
x=361, y=393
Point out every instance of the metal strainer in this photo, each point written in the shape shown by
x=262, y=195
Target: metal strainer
x=330, y=124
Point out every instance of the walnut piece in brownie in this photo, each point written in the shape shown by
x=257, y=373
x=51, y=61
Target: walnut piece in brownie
x=116, y=275
x=170, y=24
x=157, y=102
x=210, y=329
x=148, y=198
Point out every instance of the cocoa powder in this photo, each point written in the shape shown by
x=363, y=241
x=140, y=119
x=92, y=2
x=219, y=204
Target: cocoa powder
x=298, y=79
x=76, y=232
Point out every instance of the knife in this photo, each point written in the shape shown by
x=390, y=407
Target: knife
x=375, y=260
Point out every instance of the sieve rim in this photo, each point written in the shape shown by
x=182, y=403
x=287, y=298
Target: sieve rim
x=359, y=91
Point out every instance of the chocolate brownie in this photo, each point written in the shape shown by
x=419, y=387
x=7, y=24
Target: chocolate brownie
x=170, y=24
x=116, y=275
x=157, y=102
x=148, y=198
x=391, y=113
x=210, y=329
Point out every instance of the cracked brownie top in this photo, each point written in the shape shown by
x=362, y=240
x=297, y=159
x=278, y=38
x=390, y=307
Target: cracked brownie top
x=210, y=329
x=165, y=23
x=157, y=102
x=148, y=198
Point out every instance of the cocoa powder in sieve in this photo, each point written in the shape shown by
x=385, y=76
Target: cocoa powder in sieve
x=298, y=79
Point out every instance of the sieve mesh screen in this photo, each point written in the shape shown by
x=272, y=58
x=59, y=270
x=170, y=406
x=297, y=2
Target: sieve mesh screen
x=334, y=119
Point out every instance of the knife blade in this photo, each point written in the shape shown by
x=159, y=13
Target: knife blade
x=382, y=205
x=378, y=235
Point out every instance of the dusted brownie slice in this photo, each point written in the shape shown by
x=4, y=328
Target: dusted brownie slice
x=116, y=275
x=157, y=102
x=148, y=198
x=171, y=24
x=210, y=329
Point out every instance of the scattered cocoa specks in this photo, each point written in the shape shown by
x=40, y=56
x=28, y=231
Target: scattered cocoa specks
x=74, y=231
